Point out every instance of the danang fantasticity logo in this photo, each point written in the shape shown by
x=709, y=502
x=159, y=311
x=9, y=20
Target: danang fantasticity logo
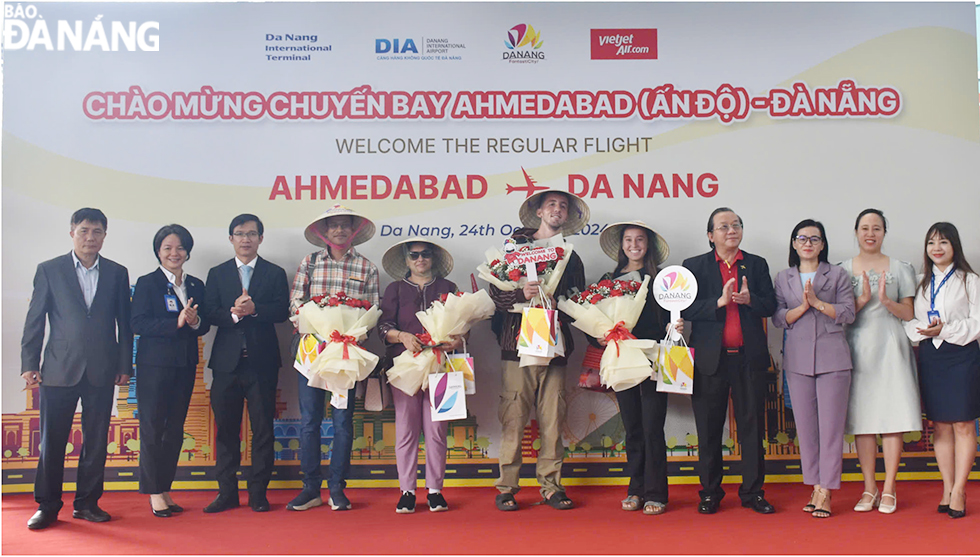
x=24, y=27
x=523, y=45
x=624, y=44
x=675, y=288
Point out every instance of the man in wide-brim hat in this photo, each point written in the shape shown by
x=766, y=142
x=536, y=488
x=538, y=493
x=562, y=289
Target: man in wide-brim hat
x=337, y=267
x=545, y=214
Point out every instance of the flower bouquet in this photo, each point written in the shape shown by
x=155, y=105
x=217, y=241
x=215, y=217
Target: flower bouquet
x=331, y=328
x=609, y=309
x=509, y=275
x=453, y=315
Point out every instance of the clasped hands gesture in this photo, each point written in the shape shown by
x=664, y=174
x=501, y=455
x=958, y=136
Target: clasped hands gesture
x=188, y=315
x=728, y=293
x=865, y=296
x=244, y=306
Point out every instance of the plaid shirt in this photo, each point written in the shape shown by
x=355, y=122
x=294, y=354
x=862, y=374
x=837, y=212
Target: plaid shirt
x=353, y=274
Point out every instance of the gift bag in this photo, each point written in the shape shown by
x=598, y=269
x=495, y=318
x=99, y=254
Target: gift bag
x=463, y=362
x=377, y=392
x=537, y=335
x=447, y=396
x=675, y=367
x=553, y=351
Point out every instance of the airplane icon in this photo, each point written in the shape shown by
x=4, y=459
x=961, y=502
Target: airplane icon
x=531, y=188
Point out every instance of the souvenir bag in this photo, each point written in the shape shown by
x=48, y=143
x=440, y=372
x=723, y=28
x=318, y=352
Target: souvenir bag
x=377, y=392
x=447, y=396
x=462, y=361
x=675, y=367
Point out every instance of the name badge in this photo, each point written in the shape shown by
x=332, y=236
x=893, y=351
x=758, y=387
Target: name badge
x=932, y=316
x=171, y=302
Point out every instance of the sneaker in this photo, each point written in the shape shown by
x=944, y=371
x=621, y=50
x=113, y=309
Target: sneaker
x=338, y=501
x=437, y=502
x=406, y=504
x=307, y=499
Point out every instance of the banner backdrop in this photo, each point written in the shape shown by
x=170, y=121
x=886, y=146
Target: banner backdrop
x=438, y=120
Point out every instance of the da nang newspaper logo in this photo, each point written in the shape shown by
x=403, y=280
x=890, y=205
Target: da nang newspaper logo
x=25, y=27
x=624, y=44
x=523, y=45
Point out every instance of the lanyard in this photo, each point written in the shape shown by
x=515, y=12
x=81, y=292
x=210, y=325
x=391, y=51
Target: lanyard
x=932, y=287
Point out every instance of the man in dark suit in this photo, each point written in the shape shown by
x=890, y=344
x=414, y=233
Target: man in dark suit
x=85, y=298
x=245, y=297
x=731, y=354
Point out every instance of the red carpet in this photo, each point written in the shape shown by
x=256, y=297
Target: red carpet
x=474, y=526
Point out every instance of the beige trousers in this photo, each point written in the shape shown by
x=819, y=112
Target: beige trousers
x=524, y=387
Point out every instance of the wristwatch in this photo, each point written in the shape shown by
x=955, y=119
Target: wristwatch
x=820, y=308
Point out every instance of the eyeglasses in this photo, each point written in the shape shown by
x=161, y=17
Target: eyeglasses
x=736, y=226
x=424, y=254
x=242, y=235
x=812, y=240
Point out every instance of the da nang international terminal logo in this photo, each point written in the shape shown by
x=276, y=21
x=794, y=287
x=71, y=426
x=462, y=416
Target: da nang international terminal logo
x=523, y=44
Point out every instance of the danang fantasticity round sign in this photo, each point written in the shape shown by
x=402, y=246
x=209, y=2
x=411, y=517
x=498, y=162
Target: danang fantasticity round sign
x=675, y=288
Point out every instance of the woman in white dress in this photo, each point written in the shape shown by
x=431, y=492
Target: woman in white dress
x=884, y=388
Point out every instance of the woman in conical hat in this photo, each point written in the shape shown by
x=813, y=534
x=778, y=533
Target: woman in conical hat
x=419, y=268
x=638, y=251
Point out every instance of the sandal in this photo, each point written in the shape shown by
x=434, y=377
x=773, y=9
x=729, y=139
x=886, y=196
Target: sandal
x=654, y=507
x=506, y=502
x=822, y=508
x=809, y=507
x=631, y=503
x=559, y=500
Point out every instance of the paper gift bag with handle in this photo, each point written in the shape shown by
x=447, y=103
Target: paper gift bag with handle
x=447, y=396
x=675, y=367
x=463, y=362
x=537, y=333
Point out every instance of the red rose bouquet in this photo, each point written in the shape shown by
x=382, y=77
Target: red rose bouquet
x=609, y=309
x=329, y=354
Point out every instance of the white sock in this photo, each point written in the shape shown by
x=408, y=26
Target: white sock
x=433, y=491
x=410, y=492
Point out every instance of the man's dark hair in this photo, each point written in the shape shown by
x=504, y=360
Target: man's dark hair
x=242, y=219
x=186, y=239
x=711, y=221
x=91, y=215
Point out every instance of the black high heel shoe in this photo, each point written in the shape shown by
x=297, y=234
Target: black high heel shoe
x=954, y=513
x=175, y=508
x=165, y=513
x=943, y=509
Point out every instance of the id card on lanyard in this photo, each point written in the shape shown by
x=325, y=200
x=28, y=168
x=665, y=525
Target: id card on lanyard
x=933, y=314
x=171, y=299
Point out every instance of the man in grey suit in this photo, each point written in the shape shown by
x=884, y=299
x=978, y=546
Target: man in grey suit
x=85, y=298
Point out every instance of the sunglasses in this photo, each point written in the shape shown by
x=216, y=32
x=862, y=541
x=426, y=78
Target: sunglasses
x=424, y=254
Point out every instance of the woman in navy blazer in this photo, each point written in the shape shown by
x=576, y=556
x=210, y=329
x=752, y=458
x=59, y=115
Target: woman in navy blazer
x=166, y=319
x=814, y=300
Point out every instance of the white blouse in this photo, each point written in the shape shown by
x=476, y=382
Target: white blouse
x=958, y=304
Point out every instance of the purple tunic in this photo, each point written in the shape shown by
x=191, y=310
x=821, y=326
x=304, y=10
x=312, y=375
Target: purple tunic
x=400, y=302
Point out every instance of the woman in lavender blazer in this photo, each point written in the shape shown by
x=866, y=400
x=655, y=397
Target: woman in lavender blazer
x=814, y=300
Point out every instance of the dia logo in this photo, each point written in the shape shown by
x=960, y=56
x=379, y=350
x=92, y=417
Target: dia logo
x=395, y=46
